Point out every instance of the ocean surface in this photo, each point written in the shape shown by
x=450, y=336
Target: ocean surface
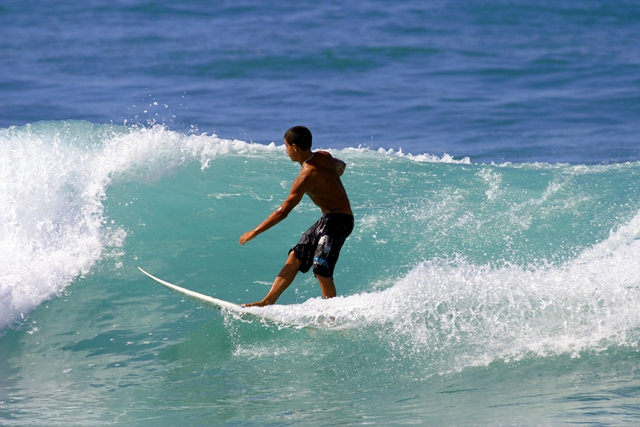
x=492, y=150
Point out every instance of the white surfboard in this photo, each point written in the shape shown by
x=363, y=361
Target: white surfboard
x=201, y=298
x=253, y=313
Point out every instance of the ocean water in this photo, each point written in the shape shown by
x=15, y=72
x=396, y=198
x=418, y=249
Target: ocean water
x=493, y=275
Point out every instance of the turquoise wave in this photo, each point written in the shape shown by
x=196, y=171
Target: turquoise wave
x=453, y=265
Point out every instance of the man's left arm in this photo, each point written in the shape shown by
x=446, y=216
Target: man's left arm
x=340, y=165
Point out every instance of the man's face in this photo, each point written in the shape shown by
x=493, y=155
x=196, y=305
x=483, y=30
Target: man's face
x=290, y=150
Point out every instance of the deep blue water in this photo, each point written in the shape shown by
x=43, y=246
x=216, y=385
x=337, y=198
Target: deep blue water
x=497, y=80
x=492, y=278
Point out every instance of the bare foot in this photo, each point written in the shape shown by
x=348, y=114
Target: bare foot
x=256, y=304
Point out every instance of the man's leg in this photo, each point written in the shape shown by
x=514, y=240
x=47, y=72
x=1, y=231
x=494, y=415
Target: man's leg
x=282, y=282
x=327, y=286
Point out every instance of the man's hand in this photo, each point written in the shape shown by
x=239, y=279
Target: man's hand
x=249, y=235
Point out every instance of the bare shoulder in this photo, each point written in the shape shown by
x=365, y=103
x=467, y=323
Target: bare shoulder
x=321, y=160
x=309, y=173
x=329, y=164
x=324, y=154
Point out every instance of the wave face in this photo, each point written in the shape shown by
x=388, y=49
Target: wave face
x=55, y=177
x=453, y=267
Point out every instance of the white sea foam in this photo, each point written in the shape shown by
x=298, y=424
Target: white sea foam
x=424, y=158
x=53, y=181
x=469, y=315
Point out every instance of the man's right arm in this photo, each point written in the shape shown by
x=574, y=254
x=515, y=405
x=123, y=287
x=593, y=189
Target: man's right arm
x=295, y=195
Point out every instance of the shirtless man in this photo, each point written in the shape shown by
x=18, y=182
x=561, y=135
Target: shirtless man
x=319, y=246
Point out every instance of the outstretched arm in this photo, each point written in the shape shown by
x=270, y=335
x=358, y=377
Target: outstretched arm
x=295, y=195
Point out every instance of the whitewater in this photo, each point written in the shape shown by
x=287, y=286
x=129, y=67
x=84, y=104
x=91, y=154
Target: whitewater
x=453, y=266
x=492, y=165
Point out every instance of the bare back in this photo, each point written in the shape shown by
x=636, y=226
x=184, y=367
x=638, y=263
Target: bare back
x=321, y=182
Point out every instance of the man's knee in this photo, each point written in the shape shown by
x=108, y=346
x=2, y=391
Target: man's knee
x=292, y=259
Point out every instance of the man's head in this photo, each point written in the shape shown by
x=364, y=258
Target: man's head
x=300, y=136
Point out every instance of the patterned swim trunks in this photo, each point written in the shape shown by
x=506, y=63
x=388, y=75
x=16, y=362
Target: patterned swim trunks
x=320, y=245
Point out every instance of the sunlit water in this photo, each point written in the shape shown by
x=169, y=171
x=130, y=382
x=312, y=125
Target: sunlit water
x=468, y=293
x=492, y=278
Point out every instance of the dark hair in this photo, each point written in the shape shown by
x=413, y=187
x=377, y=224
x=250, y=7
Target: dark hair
x=300, y=136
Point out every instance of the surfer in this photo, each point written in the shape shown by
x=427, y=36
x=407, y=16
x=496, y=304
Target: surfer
x=320, y=245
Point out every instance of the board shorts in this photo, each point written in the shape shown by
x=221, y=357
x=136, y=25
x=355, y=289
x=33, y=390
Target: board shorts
x=319, y=247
